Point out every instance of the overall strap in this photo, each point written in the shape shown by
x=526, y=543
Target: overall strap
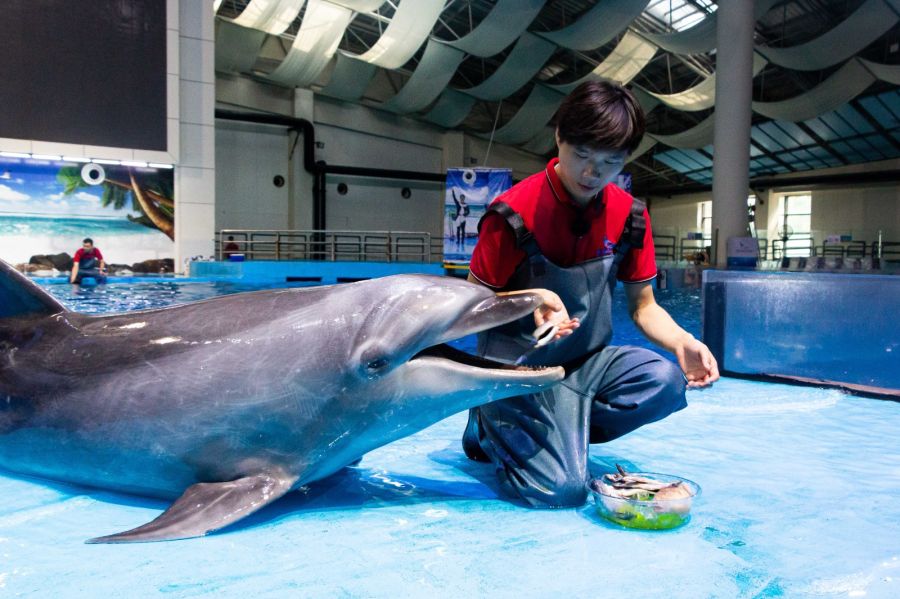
x=633, y=233
x=524, y=237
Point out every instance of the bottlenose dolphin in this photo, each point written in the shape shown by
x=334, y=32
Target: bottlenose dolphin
x=227, y=404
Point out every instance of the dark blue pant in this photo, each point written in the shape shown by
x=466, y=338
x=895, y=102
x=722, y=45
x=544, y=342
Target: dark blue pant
x=539, y=443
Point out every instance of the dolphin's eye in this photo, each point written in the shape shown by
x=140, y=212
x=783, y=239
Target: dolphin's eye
x=374, y=360
x=376, y=364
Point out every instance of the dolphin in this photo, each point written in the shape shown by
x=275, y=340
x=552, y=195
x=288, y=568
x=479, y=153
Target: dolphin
x=226, y=404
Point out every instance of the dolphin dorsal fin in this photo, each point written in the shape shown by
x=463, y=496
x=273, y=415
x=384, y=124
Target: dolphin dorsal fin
x=19, y=295
x=206, y=507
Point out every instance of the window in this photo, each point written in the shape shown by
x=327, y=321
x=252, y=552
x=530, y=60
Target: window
x=704, y=218
x=680, y=14
x=751, y=214
x=794, y=226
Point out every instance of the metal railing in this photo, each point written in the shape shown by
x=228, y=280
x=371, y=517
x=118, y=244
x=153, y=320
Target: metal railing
x=665, y=247
x=349, y=246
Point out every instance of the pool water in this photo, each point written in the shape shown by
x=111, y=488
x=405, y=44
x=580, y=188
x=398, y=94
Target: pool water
x=801, y=498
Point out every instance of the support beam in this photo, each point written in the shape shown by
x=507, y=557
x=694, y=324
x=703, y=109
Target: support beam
x=731, y=139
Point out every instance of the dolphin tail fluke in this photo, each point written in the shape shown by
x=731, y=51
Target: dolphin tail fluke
x=20, y=295
x=206, y=507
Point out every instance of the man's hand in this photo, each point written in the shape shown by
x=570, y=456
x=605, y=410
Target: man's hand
x=697, y=363
x=554, y=312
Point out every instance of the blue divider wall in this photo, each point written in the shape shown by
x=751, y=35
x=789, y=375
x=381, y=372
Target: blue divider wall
x=324, y=272
x=811, y=327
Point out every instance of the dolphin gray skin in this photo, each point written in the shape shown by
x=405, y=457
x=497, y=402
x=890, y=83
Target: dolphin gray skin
x=227, y=404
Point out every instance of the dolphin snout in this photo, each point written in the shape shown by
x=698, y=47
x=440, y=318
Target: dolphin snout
x=492, y=312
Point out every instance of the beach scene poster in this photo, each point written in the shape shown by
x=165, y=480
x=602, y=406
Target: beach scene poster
x=467, y=194
x=49, y=207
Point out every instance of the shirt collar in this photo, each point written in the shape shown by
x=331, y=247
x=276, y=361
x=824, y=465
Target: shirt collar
x=562, y=195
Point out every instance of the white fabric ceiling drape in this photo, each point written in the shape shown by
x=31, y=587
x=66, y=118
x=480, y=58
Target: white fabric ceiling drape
x=889, y=73
x=323, y=25
x=701, y=37
x=451, y=108
x=501, y=27
x=869, y=22
x=431, y=76
x=349, y=79
x=702, y=95
x=698, y=136
x=645, y=145
x=845, y=84
x=597, y=26
x=626, y=60
x=531, y=118
x=524, y=61
x=407, y=31
x=317, y=40
x=236, y=47
x=271, y=16
x=325, y=22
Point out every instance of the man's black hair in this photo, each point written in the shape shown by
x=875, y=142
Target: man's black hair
x=601, y=115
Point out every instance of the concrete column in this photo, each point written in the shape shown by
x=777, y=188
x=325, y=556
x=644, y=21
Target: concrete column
x=734, y=87
x=195, y=169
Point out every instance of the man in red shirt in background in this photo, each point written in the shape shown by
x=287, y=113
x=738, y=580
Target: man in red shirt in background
x=88, y=262
x=568, y=232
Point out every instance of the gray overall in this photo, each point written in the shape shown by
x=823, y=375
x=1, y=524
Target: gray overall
x=539, y=443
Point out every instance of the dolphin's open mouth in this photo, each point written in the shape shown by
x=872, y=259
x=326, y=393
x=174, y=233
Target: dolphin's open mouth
x=488, y=313
x=478, y=367
x=455, y=355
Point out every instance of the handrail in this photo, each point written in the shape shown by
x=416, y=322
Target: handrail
x=664, y=246
x=329, y=245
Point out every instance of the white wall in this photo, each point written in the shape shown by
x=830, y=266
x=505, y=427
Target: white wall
x=246, y=196
x=860, y=212
x=676, y=215
x=349, y=135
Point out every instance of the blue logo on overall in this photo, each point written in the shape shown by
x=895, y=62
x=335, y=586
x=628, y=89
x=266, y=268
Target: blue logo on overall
x=608, y=247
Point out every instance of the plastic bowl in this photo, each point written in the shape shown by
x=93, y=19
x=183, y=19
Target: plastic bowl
x=646, y=514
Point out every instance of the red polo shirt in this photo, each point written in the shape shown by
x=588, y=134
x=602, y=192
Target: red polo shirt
x=550, y=214
x=80, y=253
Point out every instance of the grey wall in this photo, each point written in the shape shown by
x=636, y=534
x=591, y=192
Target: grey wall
x=354, y=135
x=860, y=212
x=246, y=196
x=248, y=156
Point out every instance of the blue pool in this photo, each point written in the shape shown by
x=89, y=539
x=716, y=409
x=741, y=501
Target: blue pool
x=801, y=498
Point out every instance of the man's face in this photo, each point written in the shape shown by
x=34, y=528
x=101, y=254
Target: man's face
x=584, y=170
x=87, y=247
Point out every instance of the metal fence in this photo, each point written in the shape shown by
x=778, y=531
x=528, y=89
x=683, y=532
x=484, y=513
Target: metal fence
x=350, y=246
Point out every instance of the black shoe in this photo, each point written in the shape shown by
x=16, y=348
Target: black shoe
x=470, y=442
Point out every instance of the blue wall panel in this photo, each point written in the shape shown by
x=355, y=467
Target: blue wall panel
x=835, y=328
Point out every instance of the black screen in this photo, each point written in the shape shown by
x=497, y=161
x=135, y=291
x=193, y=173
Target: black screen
x=89, y=72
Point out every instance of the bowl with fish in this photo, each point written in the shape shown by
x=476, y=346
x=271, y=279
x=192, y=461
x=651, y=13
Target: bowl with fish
x=644, y=500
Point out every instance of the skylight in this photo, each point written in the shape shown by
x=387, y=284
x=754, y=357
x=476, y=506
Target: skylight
x=680, y=14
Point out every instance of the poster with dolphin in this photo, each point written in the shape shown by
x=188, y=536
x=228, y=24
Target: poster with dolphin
x=468, y=193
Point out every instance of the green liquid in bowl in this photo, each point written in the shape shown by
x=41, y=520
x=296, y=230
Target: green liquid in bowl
x=643, y=512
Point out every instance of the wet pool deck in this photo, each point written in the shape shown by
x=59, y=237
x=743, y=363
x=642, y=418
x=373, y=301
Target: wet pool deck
x=800, y=499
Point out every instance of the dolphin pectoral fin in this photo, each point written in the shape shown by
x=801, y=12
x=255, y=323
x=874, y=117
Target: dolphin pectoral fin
x=206, y=507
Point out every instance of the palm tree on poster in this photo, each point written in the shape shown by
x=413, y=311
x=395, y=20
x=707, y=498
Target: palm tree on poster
x=150, y=194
